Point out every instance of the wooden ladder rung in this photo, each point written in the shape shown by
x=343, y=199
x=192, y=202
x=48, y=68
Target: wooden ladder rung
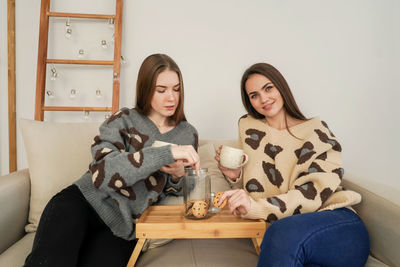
x=41, y=74
x=80, y=15
x=80, y=62
x=62, y=108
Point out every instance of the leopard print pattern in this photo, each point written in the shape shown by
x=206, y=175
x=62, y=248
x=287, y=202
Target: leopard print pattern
x=325, y=194
x=119, y=185
x=135, y=138
x=271, y=218
x=305, y=152
x=272, y=150
x=98, y=173
x=325, y=139
x=101, y=153
x=297, y=210
x=155, y=182
x=118, y=114
x=254, y=139
x=273, y=174
x=339, y=172
x=323, y=156
x=254, y=186
x=96, y=141
x=120, y=146
x=277, y=202
x=326, y=126
x=314, y=167
x=308, y=190
x=136, y=158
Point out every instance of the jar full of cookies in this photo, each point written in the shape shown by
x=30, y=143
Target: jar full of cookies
x=196, y=193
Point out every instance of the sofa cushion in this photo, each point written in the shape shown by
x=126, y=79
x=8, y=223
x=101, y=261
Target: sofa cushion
x=14, y=207
x=218, y=142
x=382, y=218
x=15, y=255
x=372, y=262
x=58, y=154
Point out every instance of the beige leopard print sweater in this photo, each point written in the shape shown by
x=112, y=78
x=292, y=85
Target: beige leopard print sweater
x=287, y=175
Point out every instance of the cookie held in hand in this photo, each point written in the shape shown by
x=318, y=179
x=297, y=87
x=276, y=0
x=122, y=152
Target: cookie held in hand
x=216, y=198
x=200, y=209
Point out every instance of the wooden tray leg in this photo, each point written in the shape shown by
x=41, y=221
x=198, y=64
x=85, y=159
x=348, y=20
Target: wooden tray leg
x=257, y=244
x=136, y=252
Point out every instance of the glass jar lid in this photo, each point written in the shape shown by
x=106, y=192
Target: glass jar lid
x=191, y=172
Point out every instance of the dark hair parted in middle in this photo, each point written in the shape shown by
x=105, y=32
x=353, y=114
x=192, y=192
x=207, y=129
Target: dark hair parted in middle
x=279, y=82
x=151, y=67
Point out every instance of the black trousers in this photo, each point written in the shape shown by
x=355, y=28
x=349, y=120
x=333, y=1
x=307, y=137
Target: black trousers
x=70, y=233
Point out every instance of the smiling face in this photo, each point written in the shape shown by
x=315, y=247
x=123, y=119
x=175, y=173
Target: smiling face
x=264, y=96
x=166, y=95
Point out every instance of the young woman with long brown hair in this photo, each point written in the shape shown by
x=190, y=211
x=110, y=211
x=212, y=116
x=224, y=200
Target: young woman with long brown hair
x=90, y=223
x=292, y=180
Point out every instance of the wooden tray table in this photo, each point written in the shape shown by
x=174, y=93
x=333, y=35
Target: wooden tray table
x=169, y=222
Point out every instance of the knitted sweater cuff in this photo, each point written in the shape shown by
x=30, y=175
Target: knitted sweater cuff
x=238, y=183
x=164, y=156
x=257, y=210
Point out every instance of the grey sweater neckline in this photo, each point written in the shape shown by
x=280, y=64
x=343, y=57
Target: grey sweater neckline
x=154, y=127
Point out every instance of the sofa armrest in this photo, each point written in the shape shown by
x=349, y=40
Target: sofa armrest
x=382, y=218
x=14, y=207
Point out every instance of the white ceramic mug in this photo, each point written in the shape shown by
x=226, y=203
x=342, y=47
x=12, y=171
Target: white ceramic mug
x=232, y=158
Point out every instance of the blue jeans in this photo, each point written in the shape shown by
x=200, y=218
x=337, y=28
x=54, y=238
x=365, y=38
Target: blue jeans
x=327, y=238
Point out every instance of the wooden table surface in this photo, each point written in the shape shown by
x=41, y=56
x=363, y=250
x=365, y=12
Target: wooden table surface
x=170, y=222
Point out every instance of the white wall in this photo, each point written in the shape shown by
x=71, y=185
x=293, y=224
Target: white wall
x=339, y=57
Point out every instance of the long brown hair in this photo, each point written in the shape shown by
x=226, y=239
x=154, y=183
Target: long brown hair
x=269, y=71
x=151, y=67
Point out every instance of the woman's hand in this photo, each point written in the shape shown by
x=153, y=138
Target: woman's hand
x=238, y=201
x=232, y=174
x=188, y=156
x=176, y=169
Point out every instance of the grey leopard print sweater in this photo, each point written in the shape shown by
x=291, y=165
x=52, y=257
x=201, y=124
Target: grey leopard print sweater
x=124, y=178
x=287, y=175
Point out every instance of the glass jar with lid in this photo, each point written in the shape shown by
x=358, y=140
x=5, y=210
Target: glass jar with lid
x=196, y=193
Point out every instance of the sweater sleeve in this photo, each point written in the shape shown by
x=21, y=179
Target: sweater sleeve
x=308, y=192
x=120, y=157
x=175, y=186
x=238, y=184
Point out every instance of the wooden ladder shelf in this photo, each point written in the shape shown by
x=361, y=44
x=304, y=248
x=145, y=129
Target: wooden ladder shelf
x=45, y=15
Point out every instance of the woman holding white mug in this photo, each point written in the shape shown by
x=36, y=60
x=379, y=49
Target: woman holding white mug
x=292, y=180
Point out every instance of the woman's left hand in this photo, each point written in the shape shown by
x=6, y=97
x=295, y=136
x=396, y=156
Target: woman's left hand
x=238, y=201
x=176, y=169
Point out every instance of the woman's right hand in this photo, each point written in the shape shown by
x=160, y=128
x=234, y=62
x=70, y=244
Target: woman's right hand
x=238, y=200
x=188, y=155
x=232, y=174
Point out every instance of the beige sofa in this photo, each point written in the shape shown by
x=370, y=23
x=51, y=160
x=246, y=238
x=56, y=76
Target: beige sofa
x=58, y=153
